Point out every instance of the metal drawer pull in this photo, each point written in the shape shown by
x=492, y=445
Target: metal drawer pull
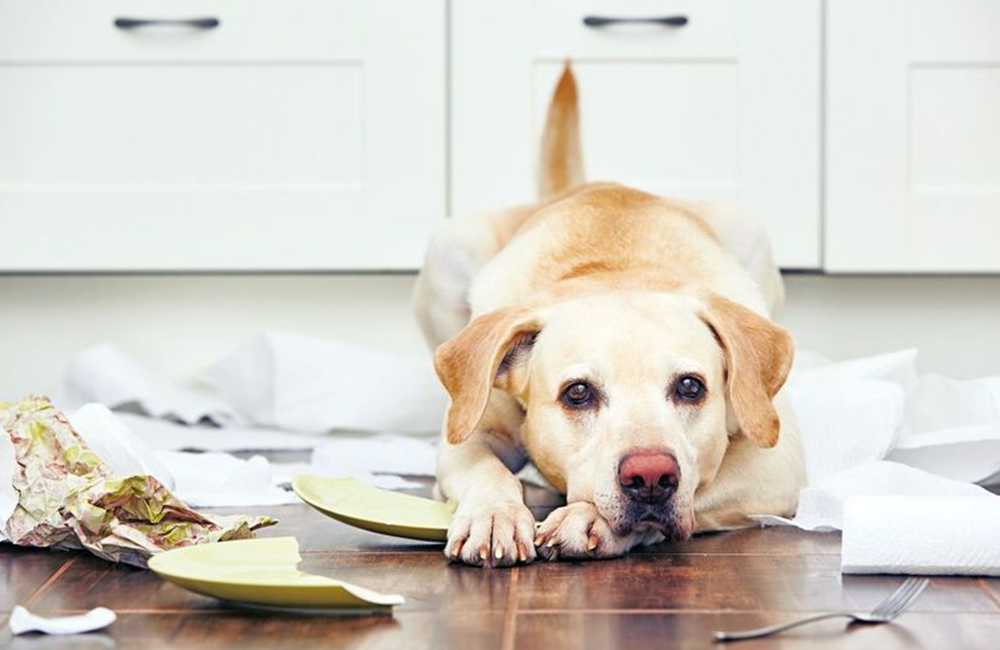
x=195, y=23
x=603, y=21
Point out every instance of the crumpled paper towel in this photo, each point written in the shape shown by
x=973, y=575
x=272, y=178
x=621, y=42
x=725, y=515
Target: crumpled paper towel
x=301, y=383
x=217, y=480
x=281, y=380
x=875, y=426
x=104, y=374
x=22, y=621
x=929, y=535
x=821, y=504
x=68, y=497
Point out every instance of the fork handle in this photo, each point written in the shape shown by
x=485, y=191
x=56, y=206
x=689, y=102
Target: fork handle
x=778, y=627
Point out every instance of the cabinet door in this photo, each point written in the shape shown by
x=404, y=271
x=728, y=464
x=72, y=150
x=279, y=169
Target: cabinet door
x=725, y=107
x=913, y=136
x=293, y=135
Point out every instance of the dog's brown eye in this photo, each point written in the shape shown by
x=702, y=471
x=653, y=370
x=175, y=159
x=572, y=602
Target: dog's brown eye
x=689, y=389
x=578, y=395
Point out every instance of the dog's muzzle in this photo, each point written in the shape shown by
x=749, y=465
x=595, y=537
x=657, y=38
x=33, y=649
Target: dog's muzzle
x=648, y=480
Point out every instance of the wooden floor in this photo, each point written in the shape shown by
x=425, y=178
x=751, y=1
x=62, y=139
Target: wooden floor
x=665, y=597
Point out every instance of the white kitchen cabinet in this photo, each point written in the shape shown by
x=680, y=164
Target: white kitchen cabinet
x=725, y=107
x=913, y=136
x=295, y=135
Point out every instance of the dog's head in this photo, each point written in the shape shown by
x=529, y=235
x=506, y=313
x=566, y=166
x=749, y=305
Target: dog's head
x=629, y=398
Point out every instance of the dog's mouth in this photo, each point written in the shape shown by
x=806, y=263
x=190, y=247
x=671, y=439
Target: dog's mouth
x=664, y=518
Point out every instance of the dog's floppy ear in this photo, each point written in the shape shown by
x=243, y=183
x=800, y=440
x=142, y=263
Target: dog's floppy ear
x=758, y=356
x=489, y=351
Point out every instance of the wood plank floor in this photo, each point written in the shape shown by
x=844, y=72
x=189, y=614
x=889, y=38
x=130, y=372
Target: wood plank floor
x=672, y=596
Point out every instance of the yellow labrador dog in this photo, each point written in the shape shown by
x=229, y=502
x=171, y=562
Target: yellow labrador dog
x=621, y=342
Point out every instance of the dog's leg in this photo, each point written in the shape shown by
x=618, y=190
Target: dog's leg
x=578, y=531
x=492, y=526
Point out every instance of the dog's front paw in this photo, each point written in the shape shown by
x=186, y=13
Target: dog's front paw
x=578, y=531
x=492, y=534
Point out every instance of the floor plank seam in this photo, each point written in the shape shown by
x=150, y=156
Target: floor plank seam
x=510, y=613
x=63, y=568
x=989, y=592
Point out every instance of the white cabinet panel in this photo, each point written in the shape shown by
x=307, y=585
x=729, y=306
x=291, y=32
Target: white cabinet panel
x=913, y=137
x=725, y=107
x=265, y=143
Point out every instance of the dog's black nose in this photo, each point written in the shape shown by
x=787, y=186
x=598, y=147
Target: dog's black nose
x=649, y=476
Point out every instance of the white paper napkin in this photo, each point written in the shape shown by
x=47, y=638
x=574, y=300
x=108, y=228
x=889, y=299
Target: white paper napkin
x=930, y=535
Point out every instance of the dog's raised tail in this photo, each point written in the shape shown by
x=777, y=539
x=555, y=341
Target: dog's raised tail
x=561, y=165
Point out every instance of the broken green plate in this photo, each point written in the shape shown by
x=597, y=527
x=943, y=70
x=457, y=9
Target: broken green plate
x=262, y=572
x=381, y=511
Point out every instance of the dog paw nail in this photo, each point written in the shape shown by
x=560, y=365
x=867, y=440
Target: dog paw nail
x=552, y=542
x=592, y=543
x=498, y=553
x=539, y=540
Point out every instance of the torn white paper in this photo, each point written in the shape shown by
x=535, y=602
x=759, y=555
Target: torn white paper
x=970, y=454
x=849, y=412
x=376, y=460
x=223, y=480
x=171, y=436
x=104, y=374
x=22, y=621
x=821, y=505
x=941, y=435
x=306, y=384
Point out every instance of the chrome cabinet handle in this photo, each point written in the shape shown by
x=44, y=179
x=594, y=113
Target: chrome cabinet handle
x=604, y=21
x=194, y=23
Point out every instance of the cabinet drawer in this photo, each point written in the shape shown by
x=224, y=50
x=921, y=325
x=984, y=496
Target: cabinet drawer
x=69, y=30
x=724, y=108
x=283, y=139
x=560, y=32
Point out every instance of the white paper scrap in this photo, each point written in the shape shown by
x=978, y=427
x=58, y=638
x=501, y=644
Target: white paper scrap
x=22, y=621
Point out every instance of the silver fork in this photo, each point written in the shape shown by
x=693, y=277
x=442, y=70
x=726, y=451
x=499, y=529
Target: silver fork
x=888, y=609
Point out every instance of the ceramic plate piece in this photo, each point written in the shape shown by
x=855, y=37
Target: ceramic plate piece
x=380, y=511
x=262, y=572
